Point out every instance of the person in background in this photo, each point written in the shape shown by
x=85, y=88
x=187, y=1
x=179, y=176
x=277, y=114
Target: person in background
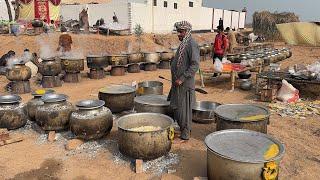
x=52, y=26
x=184, y=66
x=220, y=46
x=46, y=26
x=84, y=20
x=115, y=18
x=65, y=41
x=232, y=39
x=221, y=23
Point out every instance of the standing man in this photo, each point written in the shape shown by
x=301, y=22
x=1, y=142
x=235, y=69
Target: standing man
x=84, y=20
x=232, y=39
x=184, y=66
x=221, y=23
x=65, y=41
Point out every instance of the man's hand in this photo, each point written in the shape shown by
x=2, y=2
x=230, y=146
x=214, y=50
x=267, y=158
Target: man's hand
x=178, y=82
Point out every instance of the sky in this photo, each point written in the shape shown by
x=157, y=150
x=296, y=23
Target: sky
x=307, y=10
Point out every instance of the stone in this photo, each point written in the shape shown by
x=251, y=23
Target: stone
x=139, y=166
x=73, y=144
x=52, y=136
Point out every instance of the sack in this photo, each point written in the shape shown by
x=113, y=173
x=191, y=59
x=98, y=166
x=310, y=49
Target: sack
x=218, y=66
x=288, y=93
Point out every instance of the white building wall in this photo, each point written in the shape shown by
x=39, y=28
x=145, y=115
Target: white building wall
x=242, y=19
x=217, y=14
x=227, y=15
x=235, y=20
x=97, y=11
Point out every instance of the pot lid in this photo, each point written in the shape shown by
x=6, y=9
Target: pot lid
x=242, y=112
x=41, y=92
x=205, y=106
x=71, y=58
x=117, y=89
x=48, y=58
x=150, y=84
x=90, y=104
x=10, y=99
x=48, y=98
x=95, y=56
x=152, y=99
x=245, y=146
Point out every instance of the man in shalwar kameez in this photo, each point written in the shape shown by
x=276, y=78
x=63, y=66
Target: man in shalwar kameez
x=184, y=66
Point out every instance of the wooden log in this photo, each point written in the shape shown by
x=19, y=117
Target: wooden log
x=20, y=87
x=72, y=77
x=11, y=141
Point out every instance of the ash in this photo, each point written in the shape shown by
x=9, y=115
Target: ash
x=55, y=107
x=92, y=148
x=12, y=107
x=161, y=165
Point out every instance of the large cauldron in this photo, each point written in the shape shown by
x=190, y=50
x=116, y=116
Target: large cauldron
x=150, y=87
x=91, y=120
x=72, y=64
x=97, y=62
x=34, y=103
x=12, y=115
x=37, y=23
x=134, y=58
x=117, y=59
x=19, y=72
x=203, y=112
x=50, y=67
x=243, y=154
x=166, y=56
x=117, y=98
x=151, y=57
x=55, y=113
x=145, y=143
x=152, y=103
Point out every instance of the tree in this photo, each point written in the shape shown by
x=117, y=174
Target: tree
x=9, y=9
x=138, y=31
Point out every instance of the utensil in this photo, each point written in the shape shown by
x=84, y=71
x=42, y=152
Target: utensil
x=196, y=89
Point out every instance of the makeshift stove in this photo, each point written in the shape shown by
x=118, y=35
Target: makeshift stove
x=96, y=63
x=150, y=66
x=50, y=68
x=134, y=60
x=72, y=66
x=133, y=68
x=118, y=63
x=19, y=76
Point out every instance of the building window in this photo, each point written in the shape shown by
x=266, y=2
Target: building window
x=154, y=2
x=165, y=3
x=175, y=5
x=190, y=4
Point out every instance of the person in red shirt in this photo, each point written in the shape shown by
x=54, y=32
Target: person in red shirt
x=220, y=44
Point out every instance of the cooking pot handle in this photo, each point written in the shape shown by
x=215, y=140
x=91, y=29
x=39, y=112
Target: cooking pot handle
x=66, y=63
x=270, y=171
x=171, y=133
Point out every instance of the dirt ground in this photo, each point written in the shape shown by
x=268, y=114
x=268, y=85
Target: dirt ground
x=30, y=160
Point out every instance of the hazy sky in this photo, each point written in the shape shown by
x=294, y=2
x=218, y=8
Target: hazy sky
x=308, y=10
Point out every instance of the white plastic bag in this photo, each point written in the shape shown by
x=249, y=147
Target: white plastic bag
x=287, y=93
x=218, y=66
x=225, y=61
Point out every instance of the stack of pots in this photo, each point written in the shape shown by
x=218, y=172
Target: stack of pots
x=91, y=120
x=165, y=59
x=72, y=66
x=34, y=103
x=50, y=68
x=118, y=63
x=12, y=113
x=151, y=59
x=55, y=112
x=96, y=64
x=134, y=60
x=19, y=74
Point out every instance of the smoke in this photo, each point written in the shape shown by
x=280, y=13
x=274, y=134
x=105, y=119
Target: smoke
x=46, y=50
x=13, y=60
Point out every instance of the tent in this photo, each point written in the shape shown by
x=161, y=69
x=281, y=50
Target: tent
x=39, y=9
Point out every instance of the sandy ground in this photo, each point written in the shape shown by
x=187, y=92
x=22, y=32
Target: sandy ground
x=31, y=160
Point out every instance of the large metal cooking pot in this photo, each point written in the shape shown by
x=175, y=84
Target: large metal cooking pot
x=55, y=113
x=91, y=120
x=37, y=23
x=50, y=67
x=245, y=84
x=146, y=142
x=166, y=56
x=118, y=70
x=97, y=62
x=150, y=87
x=151, y=57
x=72, y=64
x=117, y=59
x=242, y=116
x=203, y=111
x=12, y=114
x=208, y=48
x=19, y=72
x=203, y=50
x=243, y=155
x=152, y=103
x=134, y=58
x=117, y=98
x=34, y=103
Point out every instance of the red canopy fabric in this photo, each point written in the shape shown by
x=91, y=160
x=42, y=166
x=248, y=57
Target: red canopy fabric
x=54, y=2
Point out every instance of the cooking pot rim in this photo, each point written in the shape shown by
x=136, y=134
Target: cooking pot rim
x=10, y=99
x=51, y=98
x=197, y=108
x=129, y=89
x=146, y=113
x=142, y=100
x=90, y=104
x=277, y=142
